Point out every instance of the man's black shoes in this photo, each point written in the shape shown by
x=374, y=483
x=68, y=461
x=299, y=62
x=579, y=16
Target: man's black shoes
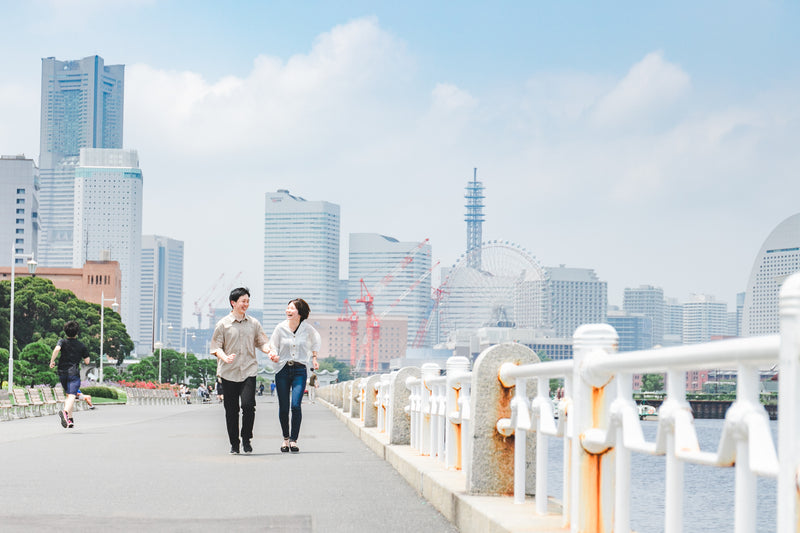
x=246, y=446
x=234, y=450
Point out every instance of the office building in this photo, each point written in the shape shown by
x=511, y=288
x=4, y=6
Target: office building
x=703, y=318
x=81, y=107
x=396, y=273
x=635, y=330
x=778, y=258
x=108, y=220
x=577, y=296
x=161, y=293
x=301, y=254
x=673, y=323
x=19, y=208
x=95, y=279
x=648, y=301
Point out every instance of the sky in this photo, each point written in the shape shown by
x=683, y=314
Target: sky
x=656, y=143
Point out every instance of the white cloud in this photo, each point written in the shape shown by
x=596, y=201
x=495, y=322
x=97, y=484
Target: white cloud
x=649, y=90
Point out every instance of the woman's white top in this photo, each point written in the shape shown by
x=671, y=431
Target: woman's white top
x=296, y=346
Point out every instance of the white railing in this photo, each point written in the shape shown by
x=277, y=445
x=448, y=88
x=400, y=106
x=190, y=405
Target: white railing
x=598, y=421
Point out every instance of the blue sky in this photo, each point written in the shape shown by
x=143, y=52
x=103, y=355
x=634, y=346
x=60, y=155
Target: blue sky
x=653, y=142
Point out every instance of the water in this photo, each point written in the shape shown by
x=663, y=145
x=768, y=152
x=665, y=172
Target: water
x=708, y=503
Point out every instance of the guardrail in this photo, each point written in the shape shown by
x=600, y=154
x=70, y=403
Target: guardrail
x=478, y=421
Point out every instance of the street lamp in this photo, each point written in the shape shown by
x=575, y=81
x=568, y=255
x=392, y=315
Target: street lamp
x=32, y=270
x=114, y=306
x=160, y=344
x=185, y=350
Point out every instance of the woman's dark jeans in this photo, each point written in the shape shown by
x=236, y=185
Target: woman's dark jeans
x=290, y=383
x=232, y=391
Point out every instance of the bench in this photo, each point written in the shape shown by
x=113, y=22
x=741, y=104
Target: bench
x=62, y=398
x=50, y=400
x=8, y=410
x=23, y=405
x=35, y=399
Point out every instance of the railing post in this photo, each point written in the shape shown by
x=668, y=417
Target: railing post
x=456, y=367
x=353, y=405
x=368, y=397
x=788, y=411
x=492, y=455
x=399, y=421
x=592, y=484
x=428, y=430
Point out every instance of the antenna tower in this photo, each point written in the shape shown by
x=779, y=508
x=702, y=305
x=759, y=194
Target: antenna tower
x=474, y=219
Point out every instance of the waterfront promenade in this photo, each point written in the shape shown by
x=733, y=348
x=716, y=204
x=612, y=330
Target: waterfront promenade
x=167, y=468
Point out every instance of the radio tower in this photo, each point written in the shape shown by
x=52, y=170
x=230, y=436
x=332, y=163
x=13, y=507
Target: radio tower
x=474, y=219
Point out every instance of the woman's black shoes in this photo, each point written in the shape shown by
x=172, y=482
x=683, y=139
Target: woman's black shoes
x=285, y=447
x=293, y=447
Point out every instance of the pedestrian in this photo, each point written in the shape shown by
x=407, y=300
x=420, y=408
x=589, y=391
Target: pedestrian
x=70, y=353
x=313, y=383
x=272, y=388
x=294, y=346
x=85, y=397
x=261, y=389
x=234, y=343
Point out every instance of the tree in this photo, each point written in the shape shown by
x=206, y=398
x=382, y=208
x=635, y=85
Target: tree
x=652, y=383
x=331, y=364
x=34, y=365
x=41, y=310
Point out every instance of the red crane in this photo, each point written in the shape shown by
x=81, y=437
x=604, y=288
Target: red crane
x=373, y=324
x=349, y=315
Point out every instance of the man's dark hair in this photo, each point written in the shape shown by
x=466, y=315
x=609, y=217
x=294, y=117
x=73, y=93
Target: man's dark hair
x=302, y=308
x=71, y=328
x=238, y=293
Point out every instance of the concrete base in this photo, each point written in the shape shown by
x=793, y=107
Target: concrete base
x=445, y=490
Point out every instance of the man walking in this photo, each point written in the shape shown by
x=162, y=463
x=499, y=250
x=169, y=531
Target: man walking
x=235, y=339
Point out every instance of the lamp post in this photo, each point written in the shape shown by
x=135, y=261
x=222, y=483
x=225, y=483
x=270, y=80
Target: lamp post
x=185, y=350
x=114, y=306
x=32, y=270
x=160, y=344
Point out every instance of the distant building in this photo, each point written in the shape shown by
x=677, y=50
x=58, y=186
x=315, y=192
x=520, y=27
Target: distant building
x=673, y=323
x=635, y=330
x=704, y=318
x=301, y=253
x=648, y=301
x=108, y=219
x=19, y=208
x=81, y=107
x=161, y=293
x=88, y=283
x=577, y=296
x=778, y=258
x=396, y=273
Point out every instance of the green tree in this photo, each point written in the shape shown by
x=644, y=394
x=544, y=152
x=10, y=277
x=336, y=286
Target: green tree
x=652, y=383
x=36, y=369
x=41, y=310
x=331, y=364
x=206, y=371
x=3, y=366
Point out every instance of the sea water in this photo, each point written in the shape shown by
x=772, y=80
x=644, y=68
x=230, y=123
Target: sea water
x=708, y=500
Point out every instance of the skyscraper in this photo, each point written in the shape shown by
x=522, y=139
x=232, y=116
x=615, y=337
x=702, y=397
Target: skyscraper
x=648, y=301
x=673, y=323
x=704, y=317
x=778, y=258
x=301, y=254
x=81, y=107
x=373, y=257
x=577, y=297
x=19, y=206
x=108, y=218
x=635, y=330
x=161, y=292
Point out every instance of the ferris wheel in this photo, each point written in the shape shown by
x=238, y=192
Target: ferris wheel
x=498, y=284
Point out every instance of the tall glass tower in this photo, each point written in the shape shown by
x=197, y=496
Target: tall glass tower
x=81, y=107
x=161, y=293
x=108, y=220
x=301, y=254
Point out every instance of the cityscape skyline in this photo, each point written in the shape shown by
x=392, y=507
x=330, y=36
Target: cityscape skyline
x=619, y=150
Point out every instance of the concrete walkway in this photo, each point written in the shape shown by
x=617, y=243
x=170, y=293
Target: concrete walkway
x=167, y=468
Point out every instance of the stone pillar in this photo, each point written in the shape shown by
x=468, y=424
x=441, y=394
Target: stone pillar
x=399, y=422
x=352, y=403
x=492, y=464
x=370, y=410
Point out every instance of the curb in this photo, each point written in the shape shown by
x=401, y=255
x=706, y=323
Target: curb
x=445, y=489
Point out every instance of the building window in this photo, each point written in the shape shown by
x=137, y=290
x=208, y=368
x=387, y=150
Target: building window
x=20, y=211
x=20, y=221
x=21, y=201
x=20, y=231
x=19, y=241
x=20, y=191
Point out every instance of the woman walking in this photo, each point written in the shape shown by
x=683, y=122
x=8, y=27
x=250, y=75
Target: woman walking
x=294, y=346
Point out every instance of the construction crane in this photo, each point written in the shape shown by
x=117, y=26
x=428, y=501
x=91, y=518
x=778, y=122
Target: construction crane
x=212, y=297
x=349, y=315
x=374, y=321
x=222, y=292
x=419, y=338
x=201, y=302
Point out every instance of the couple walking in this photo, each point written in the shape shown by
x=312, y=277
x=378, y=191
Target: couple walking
x=294, y=346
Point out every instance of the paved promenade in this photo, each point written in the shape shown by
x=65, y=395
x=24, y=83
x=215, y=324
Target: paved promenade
x=167, y=468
